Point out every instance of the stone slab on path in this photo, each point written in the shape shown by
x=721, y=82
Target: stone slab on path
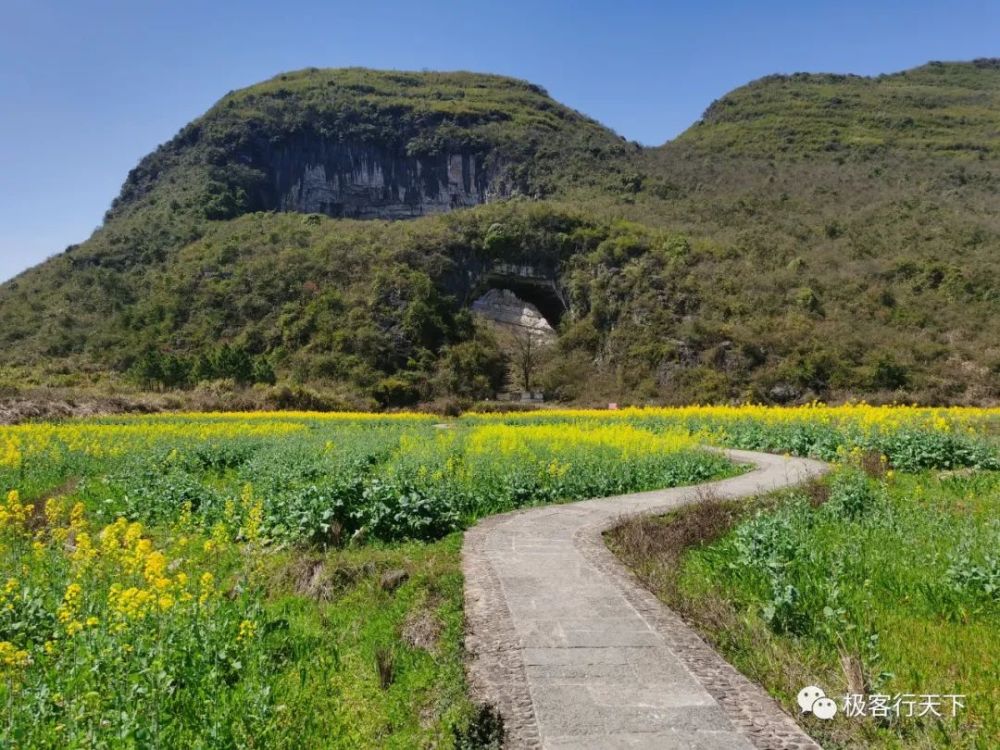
x=575, y=653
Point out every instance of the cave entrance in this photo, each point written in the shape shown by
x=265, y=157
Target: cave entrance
x=538, y=294
x=510, y=313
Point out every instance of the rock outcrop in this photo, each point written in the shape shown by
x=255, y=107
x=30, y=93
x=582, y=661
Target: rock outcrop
x=506, y=309
x=365, y=182
x=363, y=144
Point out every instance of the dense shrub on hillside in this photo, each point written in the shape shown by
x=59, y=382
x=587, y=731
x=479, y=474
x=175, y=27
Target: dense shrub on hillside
x=791, y=246
x=156, y=369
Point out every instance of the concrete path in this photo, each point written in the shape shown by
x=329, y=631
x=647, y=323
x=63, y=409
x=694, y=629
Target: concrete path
x=575, y=653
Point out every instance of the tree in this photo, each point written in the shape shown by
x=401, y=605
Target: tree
x=263, y=372
x=148, y=369
x=475, y=368
x=235, y=363
x=204, y=368
x=176, y=371
x=889, y=374
x=528, y=352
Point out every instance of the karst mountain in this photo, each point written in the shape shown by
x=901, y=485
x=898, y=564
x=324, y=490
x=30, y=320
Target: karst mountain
x=812, y=236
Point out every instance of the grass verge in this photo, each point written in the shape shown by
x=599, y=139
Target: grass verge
x=370, y=642
x=873, y=585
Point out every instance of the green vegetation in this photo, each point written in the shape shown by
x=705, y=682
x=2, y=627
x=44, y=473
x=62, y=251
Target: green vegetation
x=874, y=581
x=156, y=368
x=422, y=112
x=788, y=116
x=861, y=586
x=293, y=580
x=911, y=437
x=814, y=236
x=372, y=665
x=413, y=114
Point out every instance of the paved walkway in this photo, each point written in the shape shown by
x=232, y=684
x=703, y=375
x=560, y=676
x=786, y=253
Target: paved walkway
x=575, y=653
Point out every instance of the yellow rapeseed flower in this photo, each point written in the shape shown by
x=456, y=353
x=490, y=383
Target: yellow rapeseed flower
x=248, y=629
x=155, y=567
x=70, y=608
x=10, y=452
x=206, y=587
x=14, y=513
x=84, y=551
x=76, y=520
x=12, y=659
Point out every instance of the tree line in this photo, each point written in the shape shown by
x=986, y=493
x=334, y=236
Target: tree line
x=159, y=369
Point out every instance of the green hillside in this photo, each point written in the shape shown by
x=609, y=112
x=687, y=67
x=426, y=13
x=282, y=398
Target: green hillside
x=947, y=108
x=813, y=236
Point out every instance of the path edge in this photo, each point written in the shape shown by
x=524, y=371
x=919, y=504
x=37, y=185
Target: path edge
x=494, y=665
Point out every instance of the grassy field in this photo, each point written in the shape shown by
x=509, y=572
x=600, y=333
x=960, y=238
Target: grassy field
x=268, y=580
x=292, y=579
x=882, y=580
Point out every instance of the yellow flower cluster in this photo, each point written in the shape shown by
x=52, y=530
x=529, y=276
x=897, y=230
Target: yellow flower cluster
x=10, y=451
x=13, y=513
x=862, y=415
x=55, y=508
x=132, y=603
x=248, y=629
x=122, y=544
x=253, y=514
x=47, y=442
x=279, y=416
x=512, y=440
x=8, y=594
x=117, y=570
x=206, y=586
x=69, y=610
x=12, y=659
x=129, y=433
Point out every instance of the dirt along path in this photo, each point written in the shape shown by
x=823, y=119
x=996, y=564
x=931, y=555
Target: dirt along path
x=575, y=653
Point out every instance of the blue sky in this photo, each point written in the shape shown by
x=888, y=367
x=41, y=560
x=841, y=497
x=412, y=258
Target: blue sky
x=88, y=88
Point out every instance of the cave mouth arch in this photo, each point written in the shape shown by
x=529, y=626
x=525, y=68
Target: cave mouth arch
x=540, y=293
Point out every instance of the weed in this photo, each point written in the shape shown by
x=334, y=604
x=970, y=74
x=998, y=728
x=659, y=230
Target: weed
x=485, y=731
x=385, y=664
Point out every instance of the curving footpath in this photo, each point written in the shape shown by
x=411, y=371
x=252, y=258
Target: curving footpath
x=575, y=653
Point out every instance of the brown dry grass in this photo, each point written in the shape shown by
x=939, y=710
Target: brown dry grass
x=654, y=546
x=321, y=578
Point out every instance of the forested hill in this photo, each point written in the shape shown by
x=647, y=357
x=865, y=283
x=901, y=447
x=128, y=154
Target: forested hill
x=811, y=236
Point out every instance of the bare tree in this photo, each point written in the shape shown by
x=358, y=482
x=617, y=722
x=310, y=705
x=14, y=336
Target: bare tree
x=528, y=350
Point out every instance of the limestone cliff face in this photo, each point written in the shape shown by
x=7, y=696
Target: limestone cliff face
x=353, y=180
x=363, y=144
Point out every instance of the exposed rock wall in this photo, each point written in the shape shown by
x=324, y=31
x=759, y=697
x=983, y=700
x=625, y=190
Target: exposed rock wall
x=368, y=182
x=506, y=309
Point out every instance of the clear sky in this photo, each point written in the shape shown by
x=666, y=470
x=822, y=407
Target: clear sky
x=88, y=88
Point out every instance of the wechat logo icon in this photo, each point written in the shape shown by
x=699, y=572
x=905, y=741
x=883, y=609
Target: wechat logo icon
x=812, y=700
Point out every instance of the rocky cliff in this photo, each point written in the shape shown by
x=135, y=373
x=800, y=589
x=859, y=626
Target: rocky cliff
x=365, y=182
x=366, y=144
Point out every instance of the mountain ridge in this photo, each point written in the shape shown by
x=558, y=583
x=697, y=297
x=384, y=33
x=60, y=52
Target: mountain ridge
x=782, y=248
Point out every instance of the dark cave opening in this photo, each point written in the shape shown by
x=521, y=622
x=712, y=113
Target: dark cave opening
x=542, y=294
